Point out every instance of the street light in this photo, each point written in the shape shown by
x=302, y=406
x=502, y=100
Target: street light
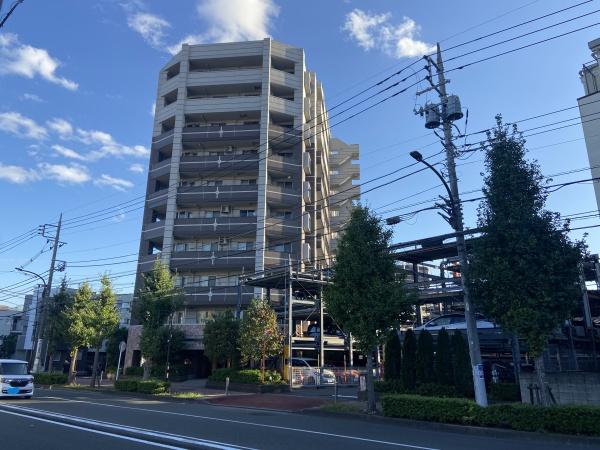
x=36, y=337
x=419, y=158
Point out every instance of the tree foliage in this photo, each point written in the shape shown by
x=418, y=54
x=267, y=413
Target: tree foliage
x=80, y=318
x=461, y=364
x=112, y=347
x=8, y=345
x=56, y=331
x=409, y=360
x=158, y=345
x=392, y=361
x=525, y=269
x=220, y=338
x=444, y=371
x=424, y=360
x=365, y=297
x=260, y=336
x=157, y=300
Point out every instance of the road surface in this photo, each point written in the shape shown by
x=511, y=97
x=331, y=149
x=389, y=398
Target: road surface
x=63, y=419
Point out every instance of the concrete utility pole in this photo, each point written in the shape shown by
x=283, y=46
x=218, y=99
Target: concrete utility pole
x=447, y=117
x=42, y=342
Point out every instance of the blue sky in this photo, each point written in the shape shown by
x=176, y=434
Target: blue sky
x=78, y=80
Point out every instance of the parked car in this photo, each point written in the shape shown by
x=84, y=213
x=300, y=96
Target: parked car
x=15, y=380
x=332, y=336
x=305, y=374
x=454, y=322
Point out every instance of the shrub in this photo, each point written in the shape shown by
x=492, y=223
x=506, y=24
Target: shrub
x=424, y=360
x=134, y=371
x=50, y=378
x=126, y=385
x=409, y=360
x=557, y=419
x=247, y=376
x=436, y=390
x=390, y=386
x=152, y=386
x=392, y=359
x=444, y=372
x=461, y=363
x=505, y=392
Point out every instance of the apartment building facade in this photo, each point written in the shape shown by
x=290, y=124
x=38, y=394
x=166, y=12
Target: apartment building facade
x=589, y=109
x=239, y=178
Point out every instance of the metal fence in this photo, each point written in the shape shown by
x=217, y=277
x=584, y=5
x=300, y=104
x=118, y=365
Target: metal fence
x=326, y=376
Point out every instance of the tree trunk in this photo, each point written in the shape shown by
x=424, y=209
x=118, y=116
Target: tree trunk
x=228, y=365
x=214, y=364
x=95, y=367
x=516, y=356
x=147, y=368
x=262, y=368
x=371, y=406
x=72, y=365
x=541, y=378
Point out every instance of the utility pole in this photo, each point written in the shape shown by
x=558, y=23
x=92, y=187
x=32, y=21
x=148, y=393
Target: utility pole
x=448, y=115
x=41, y=340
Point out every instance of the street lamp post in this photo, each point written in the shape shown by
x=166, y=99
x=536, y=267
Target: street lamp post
x=35, y=357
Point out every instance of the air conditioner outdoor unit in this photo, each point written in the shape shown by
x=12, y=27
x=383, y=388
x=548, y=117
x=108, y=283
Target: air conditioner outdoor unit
x=229, y=149
x=225, y=209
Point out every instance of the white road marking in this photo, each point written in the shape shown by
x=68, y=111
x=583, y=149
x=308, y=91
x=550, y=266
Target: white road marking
x=104, y=433
x=241, y=422
x=180, y=439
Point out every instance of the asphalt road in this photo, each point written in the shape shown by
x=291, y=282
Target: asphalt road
x=62, y=419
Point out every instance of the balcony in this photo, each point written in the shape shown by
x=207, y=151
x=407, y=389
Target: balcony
x=217, y=226
x=282, y=228
x=284, y=106
x=207, y=260
x=278, y=196
x=216, y=296
x=162, y=140
x=153, y=230
x=202, y=195
x=283, y=78
x=236, y=163
x=161, y=169
x=225, y=134
x=223, y=104
x=280, y=165
x=278, y=259
x=284, y=136
x=158, y=198
x=307, y=192
x=307, y=163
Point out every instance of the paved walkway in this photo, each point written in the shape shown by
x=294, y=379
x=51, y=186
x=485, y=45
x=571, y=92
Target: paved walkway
x=279, y=402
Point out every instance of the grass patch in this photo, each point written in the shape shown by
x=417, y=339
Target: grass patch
x=188, y=395
x=343, y=407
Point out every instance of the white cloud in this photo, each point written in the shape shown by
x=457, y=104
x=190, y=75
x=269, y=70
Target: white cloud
x=32, y=97
x=150, y=27
x=72, y=174
x=21, y=126
x=376, y=31
x=102, y=144
x=136, y=168
x=17, y=174
x=237, y=20
x=68, y=153
x=27, y=61
x=116, y=183
x=62, y=127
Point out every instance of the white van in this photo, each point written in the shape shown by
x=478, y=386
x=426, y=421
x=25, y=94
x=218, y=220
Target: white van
x=15, y=380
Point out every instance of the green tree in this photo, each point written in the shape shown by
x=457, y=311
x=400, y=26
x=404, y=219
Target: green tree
x=525, y=269
x=79, y=317
x=443, y=359
x=112, y=347
x=424, y=362
x=167, y=342
x=461, y=363
x=157, y=300
x=106, y=320
x=392, y=361
x=220, y=339
x=409, y=360
x=56, y=330
x=8, y=345
x=260, y=336
x=365, y=297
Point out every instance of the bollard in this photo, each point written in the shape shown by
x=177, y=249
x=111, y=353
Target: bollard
x=227, y=386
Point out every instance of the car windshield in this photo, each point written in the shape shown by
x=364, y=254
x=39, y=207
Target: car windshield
x=13, y=368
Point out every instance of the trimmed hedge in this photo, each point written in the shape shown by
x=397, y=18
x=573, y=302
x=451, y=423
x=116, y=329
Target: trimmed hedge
x=426, y=389
x=50, y=378
x=505, y=392
x=558, y=419
x=393, y=386
x=134, y=371
x=142, y=386
x=126, y=385
x=246, y=376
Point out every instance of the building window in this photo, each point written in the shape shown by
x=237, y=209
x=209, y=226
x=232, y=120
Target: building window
x=247, y=213
x=251, y=181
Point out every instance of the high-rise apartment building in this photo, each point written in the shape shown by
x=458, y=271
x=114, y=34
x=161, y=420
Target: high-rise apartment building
x=589, y=109
x=241, y=175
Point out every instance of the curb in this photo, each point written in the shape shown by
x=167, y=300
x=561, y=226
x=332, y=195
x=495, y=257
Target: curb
x=461, y=429
x=127, y=394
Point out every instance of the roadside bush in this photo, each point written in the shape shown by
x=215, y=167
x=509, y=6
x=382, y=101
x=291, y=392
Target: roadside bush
x=126, y=385
x=152, y=387
x=247, y=376
x=50, y=378
x=557, y=419
x=505, y=392
x=134, y=371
